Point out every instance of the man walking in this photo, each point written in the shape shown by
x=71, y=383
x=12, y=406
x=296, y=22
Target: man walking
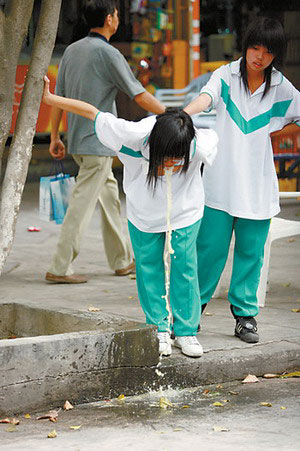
x=92, y=70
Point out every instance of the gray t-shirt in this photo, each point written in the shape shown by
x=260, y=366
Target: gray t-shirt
x=93, y=70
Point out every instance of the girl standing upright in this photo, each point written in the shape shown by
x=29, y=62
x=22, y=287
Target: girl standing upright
x=252, y=99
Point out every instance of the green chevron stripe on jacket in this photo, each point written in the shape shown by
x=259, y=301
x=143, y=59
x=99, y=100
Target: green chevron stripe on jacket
x=279, y=109
x=131, y=152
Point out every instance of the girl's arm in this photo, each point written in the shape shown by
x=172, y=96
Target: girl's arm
x=71, y=105
x=201, y=103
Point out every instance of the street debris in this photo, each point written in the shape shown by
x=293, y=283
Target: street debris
x=121, y=398
x=75, y=428
x=68, y=406
x=250, y=379
x=93, y=309
x=293, y=374
x=13, y=421
x=52, y=434
x=52, y=415
x=164, y=403
x=33, y=229
x=220, y=429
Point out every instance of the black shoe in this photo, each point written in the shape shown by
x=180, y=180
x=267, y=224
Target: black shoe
x=246, y=329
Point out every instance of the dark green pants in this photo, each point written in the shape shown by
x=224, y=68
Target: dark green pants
x=150, y=277
x=213, y=244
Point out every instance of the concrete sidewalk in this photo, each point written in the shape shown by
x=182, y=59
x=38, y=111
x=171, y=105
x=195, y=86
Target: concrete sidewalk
x=225, y=358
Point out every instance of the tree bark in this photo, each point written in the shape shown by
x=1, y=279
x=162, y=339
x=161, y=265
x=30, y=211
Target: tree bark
x=21, y=146
x=14, y=20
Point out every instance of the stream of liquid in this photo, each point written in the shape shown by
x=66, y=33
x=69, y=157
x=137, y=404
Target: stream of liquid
x=168, y=248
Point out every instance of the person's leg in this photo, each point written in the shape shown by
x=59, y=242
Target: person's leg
x=212, y=250
x=148, y=250
x=184, y=290
x=250, y=238
x=116, y=244
x=184, y=287
x=93, y=173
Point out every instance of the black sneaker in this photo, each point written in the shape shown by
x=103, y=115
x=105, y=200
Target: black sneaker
x=246, y=329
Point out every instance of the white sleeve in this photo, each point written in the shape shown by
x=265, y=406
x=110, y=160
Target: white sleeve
x=213, y=86
x=115, y=132
x=206, y=144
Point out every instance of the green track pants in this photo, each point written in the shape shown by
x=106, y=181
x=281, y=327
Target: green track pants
x=150, y=277
x=213, y=244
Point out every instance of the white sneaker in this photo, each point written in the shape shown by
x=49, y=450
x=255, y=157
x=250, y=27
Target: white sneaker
x=164, y=343
x=189, y=346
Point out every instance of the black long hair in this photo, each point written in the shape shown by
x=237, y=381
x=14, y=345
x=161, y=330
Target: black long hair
x=270, y=34
x=170, y=137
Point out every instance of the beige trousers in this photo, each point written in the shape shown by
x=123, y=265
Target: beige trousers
x=95, y=182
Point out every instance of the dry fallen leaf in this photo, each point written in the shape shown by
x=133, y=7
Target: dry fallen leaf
x=75, y=428
x=206, y=391
x=208, y=314
x=185, y=407
x=121, y=397
x=93, y=309
x=219, y=386
x=52, y=434
x=177, y=429
x=132, y=276
x=293, y=374
x=225, y=400
x=296, y=310
x=11, y=428
x=286, y=285
x=283, y=407
x=68, y=405
x=52, y=415
x=291, y=240
x=12, y=421
x=220, y=429
x=270, y=376
x=250, y=379
x=27, y=415
x=265, y=404
x=233, y=392
x=218, y=404
x=164, y=403
x=130, y=297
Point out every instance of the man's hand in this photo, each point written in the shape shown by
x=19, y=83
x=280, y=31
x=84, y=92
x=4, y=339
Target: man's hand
x=57, y=149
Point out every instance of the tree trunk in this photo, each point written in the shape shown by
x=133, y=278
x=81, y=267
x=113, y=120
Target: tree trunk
x=21, y=147
x=14, y=20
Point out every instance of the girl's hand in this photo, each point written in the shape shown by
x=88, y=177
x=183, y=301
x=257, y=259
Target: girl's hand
x=46, y=94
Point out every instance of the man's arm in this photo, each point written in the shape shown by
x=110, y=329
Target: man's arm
x=201, y=103
x=57, y=148
x=149, y=103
